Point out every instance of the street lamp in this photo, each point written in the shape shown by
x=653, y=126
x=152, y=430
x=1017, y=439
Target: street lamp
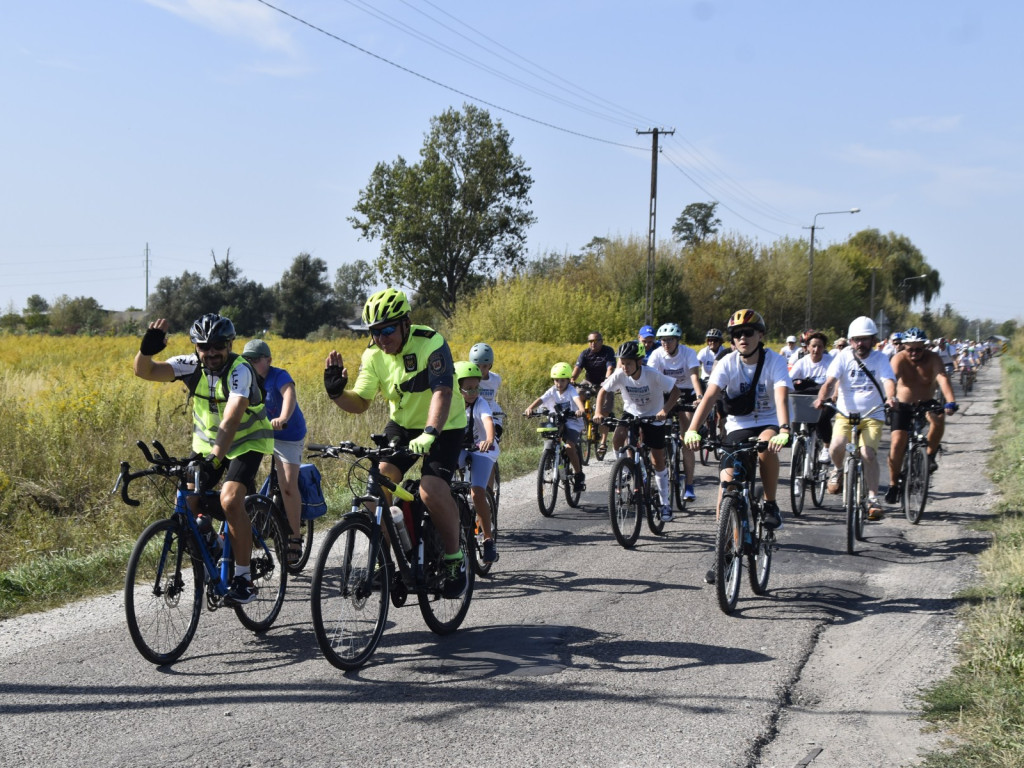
x=810, y=261
x=904, y=287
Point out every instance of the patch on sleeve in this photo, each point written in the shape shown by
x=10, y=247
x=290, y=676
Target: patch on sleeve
x=438, y=364
x=410, y=362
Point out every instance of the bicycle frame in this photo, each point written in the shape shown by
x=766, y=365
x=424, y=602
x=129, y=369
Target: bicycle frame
x=854, y=491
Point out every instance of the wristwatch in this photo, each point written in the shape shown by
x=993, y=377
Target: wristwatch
x=428, y=430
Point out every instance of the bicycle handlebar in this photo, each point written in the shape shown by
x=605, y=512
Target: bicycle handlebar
x=376, y=455
x=162, y=464
x=834, y=407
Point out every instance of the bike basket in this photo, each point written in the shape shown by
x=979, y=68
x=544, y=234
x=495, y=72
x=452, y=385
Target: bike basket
x=801, y=409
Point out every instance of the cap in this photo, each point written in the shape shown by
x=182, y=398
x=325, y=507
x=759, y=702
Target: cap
x=791, y=339
x=255, y=349
x=647, y=332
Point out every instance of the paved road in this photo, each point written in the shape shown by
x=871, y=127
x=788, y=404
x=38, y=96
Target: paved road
x=577, y=652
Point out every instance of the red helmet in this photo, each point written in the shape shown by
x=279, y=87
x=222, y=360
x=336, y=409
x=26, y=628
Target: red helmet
x=746, y=318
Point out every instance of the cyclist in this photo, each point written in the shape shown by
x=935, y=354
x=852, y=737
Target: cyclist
x=597, y=362
x=411, y=366
x=945, y=352
x=480, y=432
x=646, y=391
x=680, y=362
x=865, y=380
x=917, y=371
x=808, y=374
x=562, y=395
x=893, y=345
x=483, y=357
x=790, y=348
x=230, y=430
x=289, y=434
x=648, y=342
x=706, y=357
x=840, y=344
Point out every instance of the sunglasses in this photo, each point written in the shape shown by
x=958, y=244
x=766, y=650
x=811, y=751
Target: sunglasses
x=743, y=333
x=593, y=341
x=469, y=390
x=219, y=346
x=385, y=331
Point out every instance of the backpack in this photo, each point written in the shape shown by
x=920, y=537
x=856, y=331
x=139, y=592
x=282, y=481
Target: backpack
x=191, y=381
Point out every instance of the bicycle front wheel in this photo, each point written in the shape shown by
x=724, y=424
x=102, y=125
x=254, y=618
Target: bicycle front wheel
x=585, y=447
x=676, y=476
x=349, y=594
x=441, y=614
x=624, y=502
x=654, y=521
x=572, y=496
x=797, y=486
x=267, y=570
x=759, y=555
x=163, y=592
x=296, y=565
x=547, y=483
x=915, y=488
x=819, y=481
x=851, y=502
x=728, y=554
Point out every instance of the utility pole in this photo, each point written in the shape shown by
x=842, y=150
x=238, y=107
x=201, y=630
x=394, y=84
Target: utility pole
x=146, y=302
x=652, y=219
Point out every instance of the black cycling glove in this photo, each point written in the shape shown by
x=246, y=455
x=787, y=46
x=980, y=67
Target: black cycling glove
x=153, y=341
x=335, y=380
x=208, y=473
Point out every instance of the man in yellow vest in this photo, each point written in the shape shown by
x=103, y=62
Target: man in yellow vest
x=230, y=430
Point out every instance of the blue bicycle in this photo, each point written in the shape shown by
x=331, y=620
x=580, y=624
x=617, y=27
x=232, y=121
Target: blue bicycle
x=175, y=557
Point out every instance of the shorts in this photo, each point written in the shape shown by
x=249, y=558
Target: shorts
x=241, y=469
x=733, y=439
x=902, y=416
x=441, y=461
x=653, y=434
x=609, y=404
x=480, y=467
x=572, y=436
x=289, y=451
x=870, y=431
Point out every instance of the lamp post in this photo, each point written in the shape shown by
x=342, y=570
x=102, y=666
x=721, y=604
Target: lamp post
x=904, y=288
x=810, y=260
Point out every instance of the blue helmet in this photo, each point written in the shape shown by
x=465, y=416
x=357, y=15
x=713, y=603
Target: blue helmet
x=914, y=334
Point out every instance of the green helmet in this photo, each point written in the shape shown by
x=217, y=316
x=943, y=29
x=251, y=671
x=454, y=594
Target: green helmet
x=389, y=304
x=561, y=371
x=467, y=370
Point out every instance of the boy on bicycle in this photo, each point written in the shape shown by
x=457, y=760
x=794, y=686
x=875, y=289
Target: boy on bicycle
x=645, y=392
x=764, y=415
x=480, y=433
x=562, y=396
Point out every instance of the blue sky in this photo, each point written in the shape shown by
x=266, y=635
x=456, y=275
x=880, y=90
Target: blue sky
x=203, y=125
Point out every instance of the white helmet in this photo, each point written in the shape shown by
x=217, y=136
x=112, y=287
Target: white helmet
x=862, y=326
x=791, y=339
x=670, y=329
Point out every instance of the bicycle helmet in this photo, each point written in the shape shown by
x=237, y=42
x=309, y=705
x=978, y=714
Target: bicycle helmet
x=630, y=350
x=467, y=370
x=713, y=333
x=211, y=328
x=896, y=336
x=561, y=371
x=669, y=330
x=647, y=332
x=747, y=318
x=389, y=304
x=862, y=326
x=481, y=354
x=914, y=334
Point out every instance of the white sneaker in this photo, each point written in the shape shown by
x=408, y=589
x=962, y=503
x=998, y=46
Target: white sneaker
x=823, y=456
x=666, y=515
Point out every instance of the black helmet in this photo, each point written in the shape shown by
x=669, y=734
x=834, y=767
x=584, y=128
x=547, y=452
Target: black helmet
x=630, y=350
x=713, y=333
x=211, y=328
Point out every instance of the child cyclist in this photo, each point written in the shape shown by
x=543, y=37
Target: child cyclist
x=483, y=356
x=646, y=391
x=480, y=433
x=562, y=396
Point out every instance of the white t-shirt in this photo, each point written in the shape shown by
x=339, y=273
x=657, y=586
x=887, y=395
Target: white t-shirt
x=706, y=359
x=677, y=366
x=552, y=398
x=489, y=392
x=857, y=393
x=733, y=376
x=643, y=396
x=805, y=368
x=475, y=415
x=239, y=384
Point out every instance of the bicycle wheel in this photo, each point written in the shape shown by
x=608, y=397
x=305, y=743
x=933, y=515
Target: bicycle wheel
x=676, y=476
x=296, y=565
x=728, y=554
x=547, y=482
x=654, y=521
x=797, y=486
x=624, y=502
x=851, y=501
x=475, y=537
x=572, y=496
x=584, y=447
x=162, y=595
x=819, y=482
x=267, y=570
x=443, y=616
x=915, y=487
x=349, y=594
x=759, y=555
x=496, y=490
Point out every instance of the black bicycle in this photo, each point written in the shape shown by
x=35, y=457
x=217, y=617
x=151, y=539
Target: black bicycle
x=462, y=490
x=915, y=477
x=295, y=562
x=175, y=557
x=742, y=532
x=633, y=492
x=806, y=469
x=555, y=469
x=359, y=571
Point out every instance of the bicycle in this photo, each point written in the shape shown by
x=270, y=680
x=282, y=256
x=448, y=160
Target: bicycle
x=462, y=491
x=633, y=492
x=554, y=468
x=173, y=559
x=272, y=490
x=674, y=461
x=590, y=440
x=806, y=467
x=359, y=572
x=854, y=492
x=710, y=440
x=741, y=531
x=914, y=475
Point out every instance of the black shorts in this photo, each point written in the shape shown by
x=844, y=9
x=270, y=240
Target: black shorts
x=733, y=439
x=442, y=459
x=901, y=418
x=241, y=469
x=653, y=434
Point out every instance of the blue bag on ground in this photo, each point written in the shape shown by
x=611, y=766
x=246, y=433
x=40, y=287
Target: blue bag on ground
x=313, y=502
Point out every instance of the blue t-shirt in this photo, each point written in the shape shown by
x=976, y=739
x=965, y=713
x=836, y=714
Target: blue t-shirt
x=277, y=378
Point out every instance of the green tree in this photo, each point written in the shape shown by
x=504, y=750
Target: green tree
x=303, y=297
x=456, y=218
x=37, y=313
x=81, y=314
x=696, y=223
x=182, y=299
x=352, y=284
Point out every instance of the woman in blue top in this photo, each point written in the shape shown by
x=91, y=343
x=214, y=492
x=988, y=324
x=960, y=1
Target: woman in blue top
x=289, y=434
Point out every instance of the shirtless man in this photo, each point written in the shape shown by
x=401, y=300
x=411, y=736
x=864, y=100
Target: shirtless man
x=917, y=371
